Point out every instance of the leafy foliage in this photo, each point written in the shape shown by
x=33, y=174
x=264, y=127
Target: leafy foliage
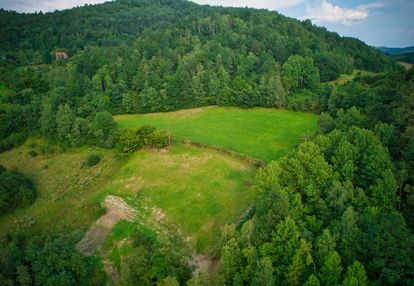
x=93, y=159
x=45, y=261
x=15, y=191
x=133, y=139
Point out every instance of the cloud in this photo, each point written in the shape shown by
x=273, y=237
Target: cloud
x=326, y=12
x=263, y=4
x=28, y=6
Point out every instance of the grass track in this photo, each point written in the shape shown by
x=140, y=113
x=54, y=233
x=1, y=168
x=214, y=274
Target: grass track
x=261, y=133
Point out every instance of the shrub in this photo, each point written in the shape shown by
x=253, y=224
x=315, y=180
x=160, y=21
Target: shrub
x=157, y=139
x=14, y=140
x=92, y=160
x=129, y=140
x=145, y=131
x=33, y=145
x=46, y=149
x=32, y=153
x=15, y=191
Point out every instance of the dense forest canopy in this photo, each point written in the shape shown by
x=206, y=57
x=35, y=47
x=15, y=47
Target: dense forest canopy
x=336, y=211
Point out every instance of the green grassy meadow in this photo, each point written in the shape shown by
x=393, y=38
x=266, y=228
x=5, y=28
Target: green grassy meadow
x=197, y=190
x=265, y=134
x=344, y=78
x=67, y=192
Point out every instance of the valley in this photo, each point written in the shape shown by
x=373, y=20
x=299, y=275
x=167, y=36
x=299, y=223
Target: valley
x=196, y=191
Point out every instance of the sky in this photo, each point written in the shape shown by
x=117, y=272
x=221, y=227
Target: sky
x=377, y=22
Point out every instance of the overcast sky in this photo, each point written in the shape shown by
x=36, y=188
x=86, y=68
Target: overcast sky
x=378, y=23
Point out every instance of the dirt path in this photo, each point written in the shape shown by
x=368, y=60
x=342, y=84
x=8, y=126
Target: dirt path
x=117, y=209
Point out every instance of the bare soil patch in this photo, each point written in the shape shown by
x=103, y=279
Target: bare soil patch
x=117, y=209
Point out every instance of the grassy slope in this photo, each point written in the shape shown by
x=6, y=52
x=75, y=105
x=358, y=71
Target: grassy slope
x=198, y=190
x=344, y=78
x=67, y=192
x=407, y=66
x=261, y=133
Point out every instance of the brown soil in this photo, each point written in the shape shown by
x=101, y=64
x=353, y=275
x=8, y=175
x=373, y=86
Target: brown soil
x=117, y=209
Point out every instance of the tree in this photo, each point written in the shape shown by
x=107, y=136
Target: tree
x=264, y=273
x=103, y=129
x=312, y=281
x=325, y=245
x=47, y=119
x=330, y=274
x=301, y=261
x=23, y=275
x=272, y=92
x=64, y=123
x=130, y=102
x=134, y=268
x=299, y=72
x=355, y=275
x=230, y=260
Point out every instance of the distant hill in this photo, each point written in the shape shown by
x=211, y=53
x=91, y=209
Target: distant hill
x=400, y=54
x=396, y=51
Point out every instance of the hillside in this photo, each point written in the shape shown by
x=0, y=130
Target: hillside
x=404, y=55
x=161, y=142
x=396, y=51
x=174, y=26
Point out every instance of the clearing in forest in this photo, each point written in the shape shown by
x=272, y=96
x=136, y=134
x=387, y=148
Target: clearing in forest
x=197, y=190
x=262, y=133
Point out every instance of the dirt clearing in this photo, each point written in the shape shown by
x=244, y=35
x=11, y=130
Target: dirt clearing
x=117, y=209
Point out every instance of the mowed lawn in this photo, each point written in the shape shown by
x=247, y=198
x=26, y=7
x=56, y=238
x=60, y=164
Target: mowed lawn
x=261, y=133
x=197, y=190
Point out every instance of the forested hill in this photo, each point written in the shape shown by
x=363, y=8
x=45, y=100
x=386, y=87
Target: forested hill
x=178, y=27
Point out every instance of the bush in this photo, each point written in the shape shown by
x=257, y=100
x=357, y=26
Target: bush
x=32, y=153
x=145, y=131
x=144, y=136
x=130, y=141
x=47, y=149
x=157, y=139
x=14, y=140
x=92, y=160
x=15, y=191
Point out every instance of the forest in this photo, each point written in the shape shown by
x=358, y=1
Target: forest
x=334, y=207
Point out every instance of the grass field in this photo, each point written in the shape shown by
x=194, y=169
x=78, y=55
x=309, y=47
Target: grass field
x=197, y=190
x=407, y=66
x=264, y=134
x=67, y=191
x=344, y=78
